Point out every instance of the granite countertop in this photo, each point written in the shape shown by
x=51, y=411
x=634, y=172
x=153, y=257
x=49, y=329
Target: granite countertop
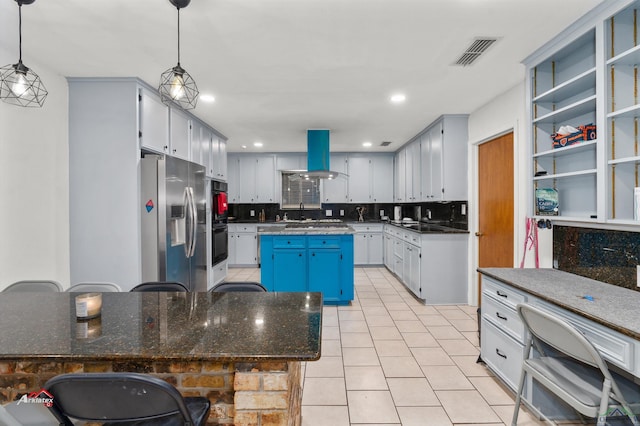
x=307, y=229
x=240, y=326
x=430, y=228
x=612, y=306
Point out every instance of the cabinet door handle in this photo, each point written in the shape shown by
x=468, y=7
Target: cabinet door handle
x=501, y=294
x=500, y=354
x=500, y=316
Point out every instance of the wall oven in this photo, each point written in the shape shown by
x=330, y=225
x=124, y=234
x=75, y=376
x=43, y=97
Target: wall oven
x=219, y=214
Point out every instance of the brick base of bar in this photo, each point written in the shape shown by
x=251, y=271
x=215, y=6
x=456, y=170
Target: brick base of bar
x=243, y=394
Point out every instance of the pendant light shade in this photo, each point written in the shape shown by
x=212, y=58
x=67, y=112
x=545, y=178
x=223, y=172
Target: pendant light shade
x=176, y=84
x=19, y=85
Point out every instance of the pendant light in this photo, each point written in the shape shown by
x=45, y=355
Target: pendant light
x=19, y=85
x=176, y=85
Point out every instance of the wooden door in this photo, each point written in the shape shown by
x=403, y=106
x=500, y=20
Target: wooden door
x=495, y=209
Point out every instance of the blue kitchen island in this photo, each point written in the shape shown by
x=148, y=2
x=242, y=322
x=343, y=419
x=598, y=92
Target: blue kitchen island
x=308, y=257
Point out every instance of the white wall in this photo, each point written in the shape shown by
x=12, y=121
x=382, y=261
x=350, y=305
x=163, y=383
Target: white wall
x=34, y=184
x=503, y=114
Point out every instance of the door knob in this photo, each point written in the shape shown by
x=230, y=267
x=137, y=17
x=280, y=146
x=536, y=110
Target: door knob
x=479, y=234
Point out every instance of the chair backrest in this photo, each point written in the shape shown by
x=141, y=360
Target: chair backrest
x=94, y=288
x=560, y=335
x=34, y=285
x=114, y=397
x=160, y=286
x=239, y=286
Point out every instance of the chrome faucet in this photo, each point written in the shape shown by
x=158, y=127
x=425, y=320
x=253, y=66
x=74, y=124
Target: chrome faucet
x=301, y=211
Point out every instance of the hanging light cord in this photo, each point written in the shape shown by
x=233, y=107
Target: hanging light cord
x=178, y=36
x=20, y=30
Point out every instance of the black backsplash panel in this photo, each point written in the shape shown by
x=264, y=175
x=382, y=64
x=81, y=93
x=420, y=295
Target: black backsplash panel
x=445, y=211
x=601, y=254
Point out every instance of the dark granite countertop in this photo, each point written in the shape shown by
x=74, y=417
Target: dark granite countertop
x=239, y=326
x=430, y=228
x=612, y=306
x=307, y=229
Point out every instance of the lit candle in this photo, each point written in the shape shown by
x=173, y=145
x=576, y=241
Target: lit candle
x=88, y=305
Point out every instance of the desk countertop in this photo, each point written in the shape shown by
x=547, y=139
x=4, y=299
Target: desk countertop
x=612, y=306
x=164, y=327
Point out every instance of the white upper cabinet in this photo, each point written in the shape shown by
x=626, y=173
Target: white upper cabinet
x=154, y=122
x=199, y=144
x=433, y=166
x=412, y=172
x=399, y=172
x=265, y=179
x=335, y=190
x=218, y=158
x=222, y=159
x=359, y=181
x=382, y=178
x=252, y=178
x=180, y=126
x=233, y=179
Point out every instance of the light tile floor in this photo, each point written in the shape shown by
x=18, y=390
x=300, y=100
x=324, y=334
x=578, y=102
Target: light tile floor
x=387, y=359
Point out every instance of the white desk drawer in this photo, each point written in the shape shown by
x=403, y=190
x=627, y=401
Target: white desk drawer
x=500, y=292
x=613, y=346
x=501, y=353
x=503, y=316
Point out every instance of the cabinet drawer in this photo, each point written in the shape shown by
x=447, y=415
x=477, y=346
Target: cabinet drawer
x=501, y=353
x=324, y=242
x=613, y=346
x=242, y=227
x=289, y=242
x=502, y=293
x=503, y=317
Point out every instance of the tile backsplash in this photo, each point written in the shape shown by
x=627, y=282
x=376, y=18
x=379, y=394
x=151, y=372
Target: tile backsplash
x=445, y=211
x=601, y=254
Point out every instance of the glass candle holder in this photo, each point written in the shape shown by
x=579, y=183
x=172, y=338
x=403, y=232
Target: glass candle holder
x=88, y=305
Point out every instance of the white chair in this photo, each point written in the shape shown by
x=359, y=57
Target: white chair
x=575, y=372
x=34, y=285
x=94, y=288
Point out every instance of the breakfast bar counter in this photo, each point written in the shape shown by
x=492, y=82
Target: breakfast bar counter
x=241, y=350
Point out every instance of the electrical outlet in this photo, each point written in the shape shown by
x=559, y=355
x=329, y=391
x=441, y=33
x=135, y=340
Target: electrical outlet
x=381, y=213
x=328, y=213
x=341, y=212
x=463, y=210
x=252, y=213
x=638, y=275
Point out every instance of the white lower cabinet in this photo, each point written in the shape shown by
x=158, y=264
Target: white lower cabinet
x=368, y=244
x=502, y=336
x=429, y=264
x=243, y=245
x=219, y=272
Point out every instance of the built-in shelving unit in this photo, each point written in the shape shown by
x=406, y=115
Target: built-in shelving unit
x=563, y=92
x=589, y=74
x=623, y=109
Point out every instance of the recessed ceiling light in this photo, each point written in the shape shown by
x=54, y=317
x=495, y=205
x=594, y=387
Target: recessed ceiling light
x=257, y=144
x=244, y=147
x=207, y=98
x=366, y=144
x=398, y=98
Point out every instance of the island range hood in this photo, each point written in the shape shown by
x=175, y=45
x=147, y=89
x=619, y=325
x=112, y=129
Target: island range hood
x=318, y=155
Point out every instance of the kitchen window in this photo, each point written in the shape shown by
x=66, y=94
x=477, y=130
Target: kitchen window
x=297, y=189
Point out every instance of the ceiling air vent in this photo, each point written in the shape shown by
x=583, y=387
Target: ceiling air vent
x=473, y=52
x=385, y=143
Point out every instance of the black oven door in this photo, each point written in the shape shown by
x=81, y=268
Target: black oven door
x=220, y=240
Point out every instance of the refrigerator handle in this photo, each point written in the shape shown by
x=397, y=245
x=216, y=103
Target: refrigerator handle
x=194, y=221
x=186, y=202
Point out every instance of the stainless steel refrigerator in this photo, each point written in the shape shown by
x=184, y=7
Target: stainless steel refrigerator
x=173, y=221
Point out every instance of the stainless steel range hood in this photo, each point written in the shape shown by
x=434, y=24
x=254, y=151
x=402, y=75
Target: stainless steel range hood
x=318, y=155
